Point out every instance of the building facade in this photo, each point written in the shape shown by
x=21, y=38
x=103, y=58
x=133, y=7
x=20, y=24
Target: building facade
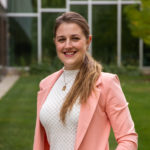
x=31, y=36
x=3, y=36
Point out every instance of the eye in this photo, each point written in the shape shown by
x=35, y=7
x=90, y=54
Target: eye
x=61, y=40
x=75, y=38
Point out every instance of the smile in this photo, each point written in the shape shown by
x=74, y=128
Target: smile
x=70, y=53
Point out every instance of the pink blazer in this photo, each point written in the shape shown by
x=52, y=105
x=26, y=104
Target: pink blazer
x=105, y=108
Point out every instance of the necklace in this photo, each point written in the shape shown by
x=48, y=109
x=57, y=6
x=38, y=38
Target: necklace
x=64, y=87
x=72, y=74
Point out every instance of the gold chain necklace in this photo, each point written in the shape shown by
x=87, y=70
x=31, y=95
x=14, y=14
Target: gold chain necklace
x=65, y=83
x=64, y=87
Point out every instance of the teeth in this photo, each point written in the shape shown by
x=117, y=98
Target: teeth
x=70, y=53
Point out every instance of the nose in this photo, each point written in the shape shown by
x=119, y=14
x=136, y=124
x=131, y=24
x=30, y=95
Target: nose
x=68, y=44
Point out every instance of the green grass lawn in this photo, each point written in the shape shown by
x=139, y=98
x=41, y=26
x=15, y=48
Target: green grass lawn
x=18, y=112
x=17, y=115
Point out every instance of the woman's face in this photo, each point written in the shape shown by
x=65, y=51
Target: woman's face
x=71, y=45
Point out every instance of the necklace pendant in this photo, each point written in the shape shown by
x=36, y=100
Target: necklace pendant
x=64, y=88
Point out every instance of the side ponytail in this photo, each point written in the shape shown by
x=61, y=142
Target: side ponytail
x=83, y=85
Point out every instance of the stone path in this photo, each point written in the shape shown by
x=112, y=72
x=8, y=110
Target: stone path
x=6, y=83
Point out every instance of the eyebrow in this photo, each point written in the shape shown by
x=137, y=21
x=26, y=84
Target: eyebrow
x=75, y=35
x=62, y=36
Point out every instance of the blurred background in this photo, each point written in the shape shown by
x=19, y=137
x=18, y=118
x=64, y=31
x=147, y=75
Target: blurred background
x=121, y=42
x=26, y=31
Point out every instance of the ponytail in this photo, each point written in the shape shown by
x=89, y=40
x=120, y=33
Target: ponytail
x=83, y=86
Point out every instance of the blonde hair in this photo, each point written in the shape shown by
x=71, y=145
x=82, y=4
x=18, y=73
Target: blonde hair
x=89, y=71
x=83, y=86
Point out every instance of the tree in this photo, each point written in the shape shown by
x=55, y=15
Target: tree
x=139, y=20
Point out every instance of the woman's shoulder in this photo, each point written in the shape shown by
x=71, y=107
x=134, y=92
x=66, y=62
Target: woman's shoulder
x=46, y=81
x=108, y=80
x=107, y=77
x=111, y=91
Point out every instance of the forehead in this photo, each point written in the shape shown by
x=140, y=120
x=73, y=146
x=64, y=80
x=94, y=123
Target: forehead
x=69, y=28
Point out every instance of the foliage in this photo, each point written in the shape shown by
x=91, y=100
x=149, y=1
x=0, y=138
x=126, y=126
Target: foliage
x=139, y=20
x=129, y=43
x=128, y=70
x=46, y=68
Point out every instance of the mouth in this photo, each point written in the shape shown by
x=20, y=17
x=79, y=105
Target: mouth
x=70, y=53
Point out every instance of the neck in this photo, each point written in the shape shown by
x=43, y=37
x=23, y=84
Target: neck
x=73, y=68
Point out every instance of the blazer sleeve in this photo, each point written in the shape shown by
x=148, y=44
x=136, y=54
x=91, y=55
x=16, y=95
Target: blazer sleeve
x=119, y=116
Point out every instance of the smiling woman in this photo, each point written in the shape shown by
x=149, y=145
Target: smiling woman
x=71, y=45
x=78, y=105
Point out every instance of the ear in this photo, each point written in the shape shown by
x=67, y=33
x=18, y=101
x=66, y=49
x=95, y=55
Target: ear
x=90, y=38
x=89, y=41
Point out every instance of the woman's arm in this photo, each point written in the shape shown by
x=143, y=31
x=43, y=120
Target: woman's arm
x=119, y=116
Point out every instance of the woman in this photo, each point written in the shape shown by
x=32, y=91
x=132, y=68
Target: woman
x=78, y=105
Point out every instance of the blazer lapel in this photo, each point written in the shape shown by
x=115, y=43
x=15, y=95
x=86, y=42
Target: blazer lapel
x=86, y=114
x=43, y=94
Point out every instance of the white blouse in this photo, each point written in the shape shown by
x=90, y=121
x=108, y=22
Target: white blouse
x=60, y=136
